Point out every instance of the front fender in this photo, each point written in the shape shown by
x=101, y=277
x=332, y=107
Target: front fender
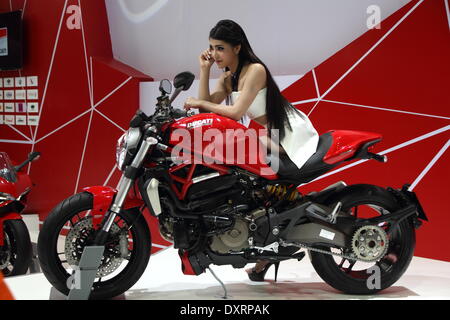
x=103, y=197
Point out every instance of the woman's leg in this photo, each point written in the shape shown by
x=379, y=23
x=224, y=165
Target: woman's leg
x=269, y=145
x=271, y=148
x=258, y=267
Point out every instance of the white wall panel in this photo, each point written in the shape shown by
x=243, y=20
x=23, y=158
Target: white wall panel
x=162, y=37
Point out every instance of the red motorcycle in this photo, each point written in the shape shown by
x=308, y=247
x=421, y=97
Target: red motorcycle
x=231, y=212
x=15, y=244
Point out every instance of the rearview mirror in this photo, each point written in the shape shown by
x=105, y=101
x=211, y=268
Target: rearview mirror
x=184, y=80
x=34, y=155
x=165, y=86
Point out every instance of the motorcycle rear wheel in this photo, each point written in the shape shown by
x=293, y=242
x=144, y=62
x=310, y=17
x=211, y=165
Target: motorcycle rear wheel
x=391, y=267
x=73, y=215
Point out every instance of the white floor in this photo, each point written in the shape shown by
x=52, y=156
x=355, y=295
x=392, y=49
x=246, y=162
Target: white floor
x=32, y=222
x=425, y=279
x=163, y=279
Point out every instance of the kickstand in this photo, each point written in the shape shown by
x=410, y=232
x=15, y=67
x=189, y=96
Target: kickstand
x=223, y=286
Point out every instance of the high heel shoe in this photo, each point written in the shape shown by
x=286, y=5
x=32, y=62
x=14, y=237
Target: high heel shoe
x=259, y=276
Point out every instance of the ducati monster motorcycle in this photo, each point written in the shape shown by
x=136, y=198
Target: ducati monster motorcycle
x=231, y=213
x=15, y=244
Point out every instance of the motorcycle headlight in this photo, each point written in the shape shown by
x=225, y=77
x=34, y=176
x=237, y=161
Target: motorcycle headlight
x=6, y=168
x=126, y=147
x=121, y=151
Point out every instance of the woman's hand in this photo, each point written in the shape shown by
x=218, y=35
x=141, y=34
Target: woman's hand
x=206, y=60
x=192, y=103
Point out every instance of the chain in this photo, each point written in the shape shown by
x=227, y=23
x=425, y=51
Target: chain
x=304, y=246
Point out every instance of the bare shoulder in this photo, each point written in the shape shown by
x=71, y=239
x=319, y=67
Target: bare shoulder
x=256, y=76
x=257, y=68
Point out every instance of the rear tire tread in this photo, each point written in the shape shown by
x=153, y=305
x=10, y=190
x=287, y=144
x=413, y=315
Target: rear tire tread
x=325, y=265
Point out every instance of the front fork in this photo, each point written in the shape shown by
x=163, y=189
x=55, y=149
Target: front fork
x=123, y=188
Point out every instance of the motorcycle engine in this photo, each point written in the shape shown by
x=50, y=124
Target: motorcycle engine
x=236, y=239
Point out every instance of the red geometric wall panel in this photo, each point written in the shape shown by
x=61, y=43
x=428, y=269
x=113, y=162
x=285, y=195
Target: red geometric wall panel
x=86, y=98
x=393, y=81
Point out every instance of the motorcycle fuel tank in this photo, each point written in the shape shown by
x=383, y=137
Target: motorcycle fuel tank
x=212, y=138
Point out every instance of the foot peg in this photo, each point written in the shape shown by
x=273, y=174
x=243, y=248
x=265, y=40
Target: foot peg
x=335, y=212
x=323, y=213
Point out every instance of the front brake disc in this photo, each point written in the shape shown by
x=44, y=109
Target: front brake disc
x=78, y=237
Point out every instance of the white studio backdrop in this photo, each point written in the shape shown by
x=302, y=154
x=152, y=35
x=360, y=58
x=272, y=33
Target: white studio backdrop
x=164, y=37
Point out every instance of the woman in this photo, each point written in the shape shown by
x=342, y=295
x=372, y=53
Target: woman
x=247, y=82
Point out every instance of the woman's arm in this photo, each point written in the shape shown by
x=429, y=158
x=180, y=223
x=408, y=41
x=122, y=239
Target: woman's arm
x=203, y=91
x=255, y=81
x=220, y=93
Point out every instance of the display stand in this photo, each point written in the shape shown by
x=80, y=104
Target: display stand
x=35, y=267
x=83, y=278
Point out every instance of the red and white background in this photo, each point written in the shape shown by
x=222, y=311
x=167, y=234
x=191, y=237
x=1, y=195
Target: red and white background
x=90, y=58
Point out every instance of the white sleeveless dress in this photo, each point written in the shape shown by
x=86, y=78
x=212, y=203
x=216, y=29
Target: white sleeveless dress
x=300, y=143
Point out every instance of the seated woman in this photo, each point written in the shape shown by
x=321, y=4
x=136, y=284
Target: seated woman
x=252, y=91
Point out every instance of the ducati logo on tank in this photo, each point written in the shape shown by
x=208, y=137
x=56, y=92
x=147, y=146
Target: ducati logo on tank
x=3, y=42
x=199, y=123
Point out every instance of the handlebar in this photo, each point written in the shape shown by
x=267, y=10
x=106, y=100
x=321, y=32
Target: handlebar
x=179, y=113
x=378, y=157
x=31, y=157
x=140, y=118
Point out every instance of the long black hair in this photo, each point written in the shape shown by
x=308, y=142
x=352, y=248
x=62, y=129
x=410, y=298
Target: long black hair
x=277, y=107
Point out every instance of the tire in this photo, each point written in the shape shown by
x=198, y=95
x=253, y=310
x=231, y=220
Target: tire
x=57, y=274
x=392, y=265
x=17, y=247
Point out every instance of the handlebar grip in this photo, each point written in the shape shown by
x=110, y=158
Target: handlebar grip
x=179, y=113
x=378, y=157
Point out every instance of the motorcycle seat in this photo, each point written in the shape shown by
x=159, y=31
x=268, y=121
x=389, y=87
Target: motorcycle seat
x=333, y=148
x=313, y=168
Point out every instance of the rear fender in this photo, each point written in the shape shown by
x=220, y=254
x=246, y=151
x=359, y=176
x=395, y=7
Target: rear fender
x=404, y=200
x=323, y=195
x=3, y=218
x=407, y=197
x=103, y=197
x=356, y=190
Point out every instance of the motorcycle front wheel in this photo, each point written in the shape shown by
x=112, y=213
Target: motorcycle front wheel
x=17, y=252
x=363, y=278
x=68, y=229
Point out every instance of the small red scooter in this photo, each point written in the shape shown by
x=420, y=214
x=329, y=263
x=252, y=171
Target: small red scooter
x=15, y=244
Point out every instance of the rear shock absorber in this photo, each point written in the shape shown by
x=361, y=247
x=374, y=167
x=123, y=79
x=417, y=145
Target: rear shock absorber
x=281, y=192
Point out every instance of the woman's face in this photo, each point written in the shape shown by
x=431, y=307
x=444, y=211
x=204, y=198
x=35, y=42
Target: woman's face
x=223, y=53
